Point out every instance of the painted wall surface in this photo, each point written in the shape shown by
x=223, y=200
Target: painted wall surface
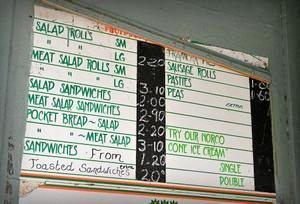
x=15, y=46
x=292, y=61
x=218, y=22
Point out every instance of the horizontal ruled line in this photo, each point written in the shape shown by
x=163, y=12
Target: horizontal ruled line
x=55, y=125
x=237, y=74
x=180, y=141
x=73, y=97
x=194, y=116
x=201, y=79
x=85, y=42
x=74, y=175
x=200, y=104
x=214, y=94
x=201, y=130
x=94, y=30
x=204, y=158
x=78, y=69
x=82, y=84
x=70, y=53
x=206, y=172
x=78, y=143
x=212, y=186
x=60, y=157
x=53, y=109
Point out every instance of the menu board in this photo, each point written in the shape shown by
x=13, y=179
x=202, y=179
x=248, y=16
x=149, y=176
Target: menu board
x=103, y=103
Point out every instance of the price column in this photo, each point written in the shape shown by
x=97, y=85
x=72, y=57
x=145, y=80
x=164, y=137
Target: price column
x=151, y=128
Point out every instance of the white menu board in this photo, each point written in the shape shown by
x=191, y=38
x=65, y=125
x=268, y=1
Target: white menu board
x=209, y=135
x=82, y=110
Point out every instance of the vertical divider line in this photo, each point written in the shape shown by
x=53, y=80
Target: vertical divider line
x=151, y=113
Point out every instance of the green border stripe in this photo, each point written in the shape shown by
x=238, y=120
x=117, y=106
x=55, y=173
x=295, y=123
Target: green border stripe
x=101, y=73
x=203, y=144
x=39, y=92
x=85, y=42
x=53, y=109
x=59, y=157
x=201, y=130
x=171, y=60
x=78, y=143
x=200, y=104
x=64, y=126
x=70, y=53
x=210, y=93
x=243, y=189
x=201, y=79
x=224, y=121
x=70, y=82
x=178, y=155
x=205, y=172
